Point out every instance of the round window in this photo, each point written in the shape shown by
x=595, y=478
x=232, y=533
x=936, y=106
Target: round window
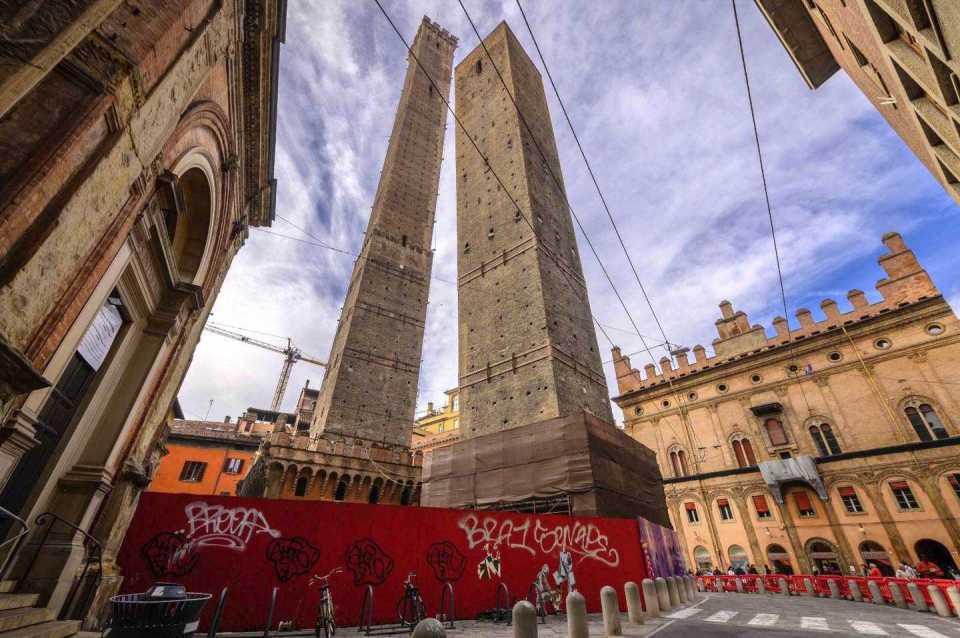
x=793, y=367
x=722, y=387
x=638, y=410
x=882, y=344
x=665, y=403
x=756, y=379
x=692, y=396
x=935, y=329
x=835, y=356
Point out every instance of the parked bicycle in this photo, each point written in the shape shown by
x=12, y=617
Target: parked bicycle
x=411, y=609
x=326, y=619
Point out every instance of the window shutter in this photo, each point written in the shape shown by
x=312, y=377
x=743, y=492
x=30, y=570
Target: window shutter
x=803, y=501
x=690, y=506
x=722, y=501
x=760, y=503
x=899, y=485
x=847, y=491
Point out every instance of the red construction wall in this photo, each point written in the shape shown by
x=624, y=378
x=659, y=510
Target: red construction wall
x=252, y=545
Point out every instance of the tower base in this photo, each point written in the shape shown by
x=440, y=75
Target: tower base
x=600, y=471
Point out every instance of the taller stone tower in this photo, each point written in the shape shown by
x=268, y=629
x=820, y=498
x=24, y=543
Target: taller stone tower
x=528, y=350
x=370, y=389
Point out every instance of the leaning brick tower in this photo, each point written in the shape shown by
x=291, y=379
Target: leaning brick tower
x=370, y=389
x=537, y=432
x=528, y=350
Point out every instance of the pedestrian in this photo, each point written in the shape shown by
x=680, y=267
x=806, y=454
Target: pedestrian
x=752, y=569
x=864, y=571
x=911, y=572
x=853, y=570
x=731, y=572
x=874, y=571
x=766, y=569
x=901, y=571
x=926, y=569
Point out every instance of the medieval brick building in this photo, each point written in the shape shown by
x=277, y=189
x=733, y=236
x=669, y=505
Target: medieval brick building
x=828, y=444
x=358, y=447
x=138, y=146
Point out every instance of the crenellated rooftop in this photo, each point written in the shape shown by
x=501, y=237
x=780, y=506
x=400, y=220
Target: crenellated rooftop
x=906, y=283
x=439, y=31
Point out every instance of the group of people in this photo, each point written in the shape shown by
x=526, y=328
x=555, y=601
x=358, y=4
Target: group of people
x=923, y=569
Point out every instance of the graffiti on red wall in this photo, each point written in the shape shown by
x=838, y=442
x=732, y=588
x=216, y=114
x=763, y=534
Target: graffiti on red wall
x=255, y=545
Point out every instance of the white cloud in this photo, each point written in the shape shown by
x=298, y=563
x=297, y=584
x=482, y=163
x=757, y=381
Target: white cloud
x=656, y=93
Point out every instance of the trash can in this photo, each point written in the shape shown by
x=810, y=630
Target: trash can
x=163, y=611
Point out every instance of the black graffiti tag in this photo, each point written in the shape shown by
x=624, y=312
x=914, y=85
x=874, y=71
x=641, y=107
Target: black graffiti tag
x=446, y=561
x=291, y=557
x=369, y=564
x=168, y=554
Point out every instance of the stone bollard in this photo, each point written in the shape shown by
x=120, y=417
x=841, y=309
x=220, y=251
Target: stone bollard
x=681, y=589
x=808, y=585
x=610, y=607
x=524, y=620
x=739, y=583
x=855, y=592
x=577, y=616
x=761, y=585
x=433, y=628
x=634, y=608
x=784, y=588
x=691, y=588
x=939, y=602
x=953, y=593
x=834, y=588
x=663, y=596
x=672, y=591
x=651, y=600
x=919, y=602
x=898, y=599
x=876, y=596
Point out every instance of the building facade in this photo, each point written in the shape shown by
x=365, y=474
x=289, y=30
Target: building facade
x=528, y=350
x=903, y=55
x=826, y=445
x=439, y=427
x=137, y=151
x=358, y=445
x=207, y=457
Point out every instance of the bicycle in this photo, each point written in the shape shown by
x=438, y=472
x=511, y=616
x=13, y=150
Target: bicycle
x=410, y=608
x=326, y=620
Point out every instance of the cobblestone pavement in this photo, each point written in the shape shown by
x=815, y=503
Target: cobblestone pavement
x=725, y=614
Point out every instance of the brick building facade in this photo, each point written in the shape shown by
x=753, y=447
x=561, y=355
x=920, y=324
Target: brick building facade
x=138, y=145
x=823, y=446
x=903, y=55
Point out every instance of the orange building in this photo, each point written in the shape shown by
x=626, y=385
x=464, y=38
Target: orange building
x=206, y=457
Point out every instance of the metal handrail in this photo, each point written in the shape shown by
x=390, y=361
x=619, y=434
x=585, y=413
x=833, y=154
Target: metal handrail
x=215, y=623
x=366, y=611
x=92, y=548
x=273, y=603
x=502, y=613
x=16, y=540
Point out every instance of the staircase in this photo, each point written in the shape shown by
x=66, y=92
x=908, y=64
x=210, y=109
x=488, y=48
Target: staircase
x=20, y=619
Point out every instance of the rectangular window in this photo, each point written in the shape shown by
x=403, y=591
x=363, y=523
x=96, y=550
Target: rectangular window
x=904, y=495
x=760, y=504
x=233, y=466
x=850, y=500
x=726, y=513
x=954, y=480
x=193, y=471
x=692, y=515
x=804, y=506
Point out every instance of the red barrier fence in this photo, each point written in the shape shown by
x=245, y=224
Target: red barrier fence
x=253, y=545
x=796, y=585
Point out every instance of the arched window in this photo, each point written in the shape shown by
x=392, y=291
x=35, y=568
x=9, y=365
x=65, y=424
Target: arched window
x=824, y=439
x=743, y=451
x=701, y=556
x=925, y=421
x=406, y=495
x=301, y=487
x=678, y=461
x=738, y=557
x=774, y=428
x=341, y=491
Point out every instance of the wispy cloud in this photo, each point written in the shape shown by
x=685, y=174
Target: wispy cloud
x=656, y=93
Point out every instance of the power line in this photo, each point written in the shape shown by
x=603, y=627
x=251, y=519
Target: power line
x=312, y=236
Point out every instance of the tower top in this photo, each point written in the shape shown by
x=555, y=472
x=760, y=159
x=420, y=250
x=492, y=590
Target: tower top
x=439, y=31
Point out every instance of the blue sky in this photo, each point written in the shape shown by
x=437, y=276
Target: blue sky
x=656, y=92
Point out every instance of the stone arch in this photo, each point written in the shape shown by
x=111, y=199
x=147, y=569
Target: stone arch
x=341, y=488
x=376, y=491
x=702, y=558
x=406, y=495
x=191, y=228
x=824, y=435
x=873, y=553
x=824, y=555
x=778, y=559
x=744, y=451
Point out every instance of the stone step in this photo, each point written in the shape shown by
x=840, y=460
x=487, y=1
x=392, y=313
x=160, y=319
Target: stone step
x=18, y=601
x=17, y=618
x=7, y=586
x=55, y=629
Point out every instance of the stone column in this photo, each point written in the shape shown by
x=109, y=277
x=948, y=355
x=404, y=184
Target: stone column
x=898, y=547
x=932, y=490
x=17, y=437
x=843, y=543
x=275, y=474
x=741, y=501
x=790, y=527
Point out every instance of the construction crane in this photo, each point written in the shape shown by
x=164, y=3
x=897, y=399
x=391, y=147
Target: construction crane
x=290, y=354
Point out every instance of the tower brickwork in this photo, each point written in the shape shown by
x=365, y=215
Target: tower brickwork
x=528, y=350
x=370, y=389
